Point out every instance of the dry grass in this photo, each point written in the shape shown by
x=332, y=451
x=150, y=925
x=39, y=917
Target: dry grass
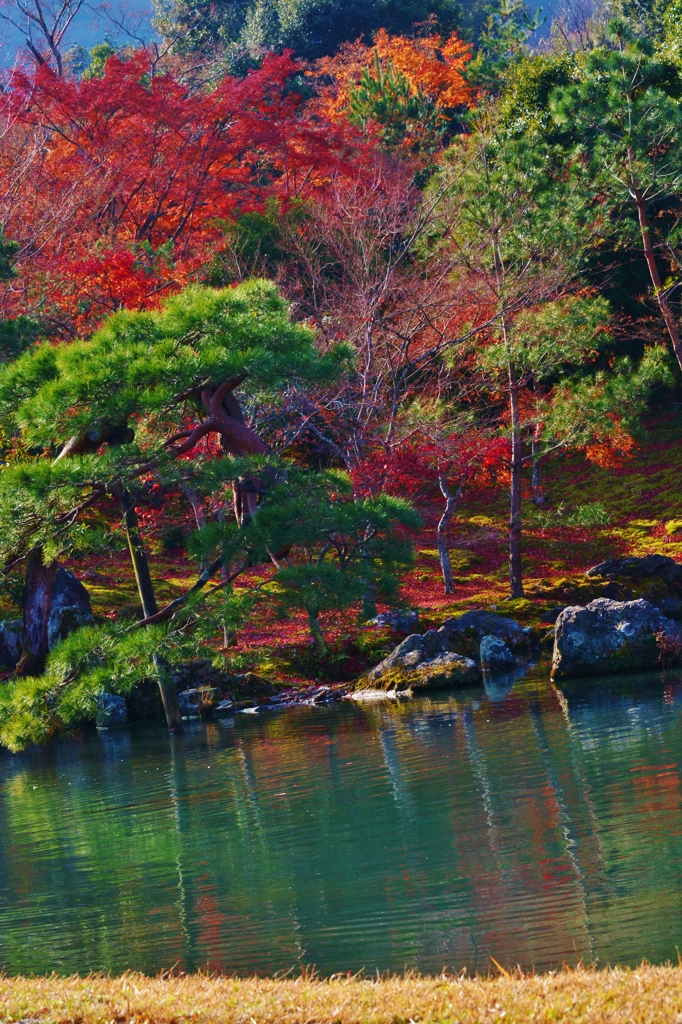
x=640, y=996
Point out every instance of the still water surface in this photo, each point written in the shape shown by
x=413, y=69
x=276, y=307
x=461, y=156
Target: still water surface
x=539, y=827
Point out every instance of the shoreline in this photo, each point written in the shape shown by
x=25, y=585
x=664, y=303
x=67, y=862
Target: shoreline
x=645, y=994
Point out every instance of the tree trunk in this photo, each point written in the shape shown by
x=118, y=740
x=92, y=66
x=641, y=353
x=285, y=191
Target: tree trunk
x=515, y=569
x=536, y=486
x=145, y=589
x=37, y=606
x=319, y=643
x=442, y=532
x=659, y=291
x=369, y=597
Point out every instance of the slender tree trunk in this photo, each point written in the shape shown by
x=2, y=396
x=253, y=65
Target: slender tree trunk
x=538, y=496
x=659, y=291
x=369, y=596
x=199, y=516
x=442, y=532
x=138, y=556
x=319, y=643
x=515, y=569
x=37, y=606
x=369, y=587
x=145, y=589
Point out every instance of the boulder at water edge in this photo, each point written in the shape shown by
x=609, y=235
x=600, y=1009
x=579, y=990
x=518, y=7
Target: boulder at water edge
x=612, y=636
x=111, y=711
x=421, y=662
x=196, y=702
x=495, y=655
x=478, y=623
x=70, y=607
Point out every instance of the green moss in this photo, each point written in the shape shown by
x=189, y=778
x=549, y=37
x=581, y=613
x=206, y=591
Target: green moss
x=460, y=673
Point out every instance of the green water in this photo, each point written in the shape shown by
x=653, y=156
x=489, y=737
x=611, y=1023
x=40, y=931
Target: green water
x=537, y=827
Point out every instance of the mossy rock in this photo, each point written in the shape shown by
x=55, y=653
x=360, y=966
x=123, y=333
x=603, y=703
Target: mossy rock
x=444, y=671
x=421, y=662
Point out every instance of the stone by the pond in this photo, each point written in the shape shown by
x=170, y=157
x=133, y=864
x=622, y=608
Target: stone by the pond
x=404, y=622
x=70, y=607
x=196, y=702
x=495, y=655
x=12, y=636
x=421, y=662
x=611, y=636
x=372, y=695
x=478, y=624
x=111, y=711
x=224, y=707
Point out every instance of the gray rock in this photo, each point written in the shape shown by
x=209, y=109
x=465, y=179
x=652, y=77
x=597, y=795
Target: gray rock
x=196, y=702
x=669, y=605
x=612, y=636
x=111, y=711
x=12, y=637
x=70, y=607
x=404, y=622
x=224, y=707
x=663, y=566
x=495, y=656
x=421, y=662
x=478, y=624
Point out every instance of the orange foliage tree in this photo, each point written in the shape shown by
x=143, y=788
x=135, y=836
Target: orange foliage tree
x=433, y=66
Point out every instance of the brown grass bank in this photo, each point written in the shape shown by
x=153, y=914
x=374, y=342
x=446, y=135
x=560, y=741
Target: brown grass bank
x=643, y=995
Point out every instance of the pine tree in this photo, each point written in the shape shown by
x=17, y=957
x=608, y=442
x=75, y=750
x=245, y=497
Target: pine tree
x=115, y=412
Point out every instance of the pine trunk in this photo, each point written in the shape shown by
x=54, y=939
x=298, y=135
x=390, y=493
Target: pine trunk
x=515, y=568
x=316, y=632
x=659, y=291
x=37, y=606
x=145, y=589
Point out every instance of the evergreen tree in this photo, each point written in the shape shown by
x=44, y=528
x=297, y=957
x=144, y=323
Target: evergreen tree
x=623, y=114
x=312, y=28
x=519, y=231
x=114, y=412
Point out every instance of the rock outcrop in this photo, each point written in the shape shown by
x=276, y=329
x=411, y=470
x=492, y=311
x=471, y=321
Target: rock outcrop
x=612, y=636
x=421, y=662
x=70, y=607
x=655, y=578
x=111, y=711
x=402, y=622
x=663, y=566
x=12, y=639
x=495, y=656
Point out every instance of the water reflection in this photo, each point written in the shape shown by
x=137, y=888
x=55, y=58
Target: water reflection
x=535, y=825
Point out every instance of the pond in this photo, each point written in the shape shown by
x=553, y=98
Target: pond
x=538, y=827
